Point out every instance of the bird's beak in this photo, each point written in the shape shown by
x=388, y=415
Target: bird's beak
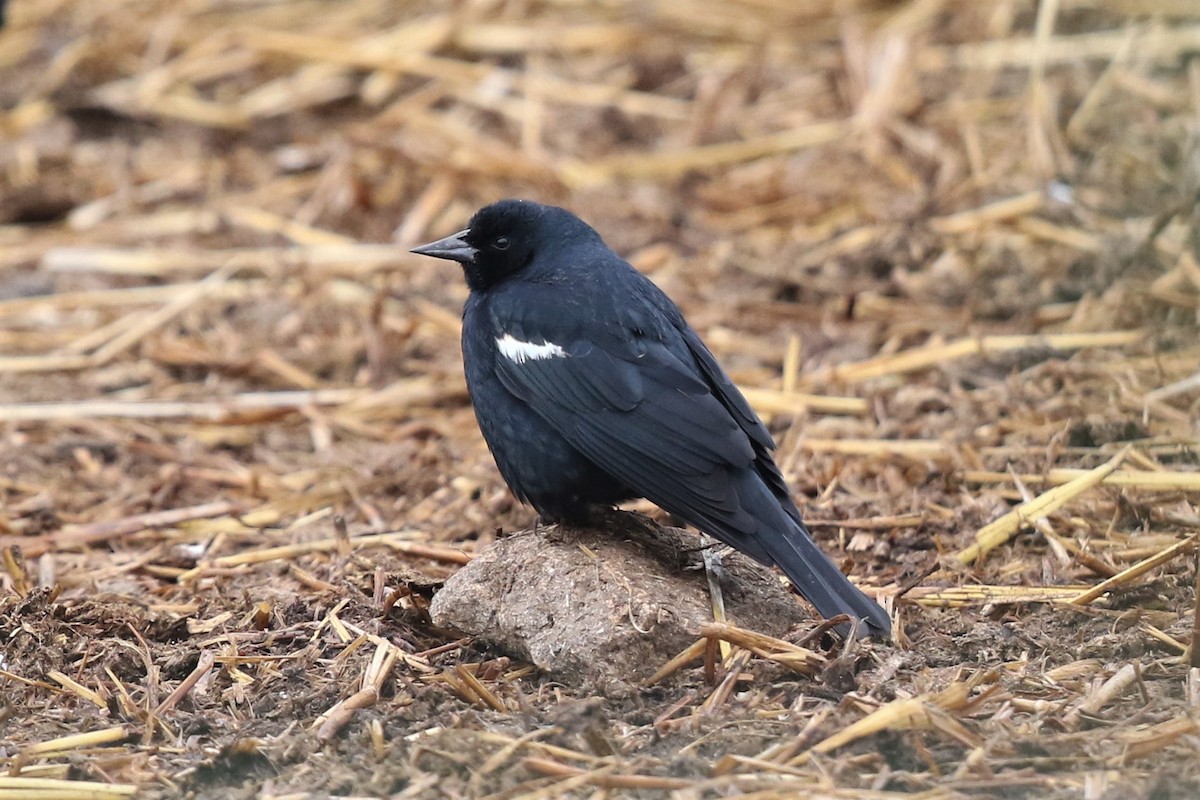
x=453, y=248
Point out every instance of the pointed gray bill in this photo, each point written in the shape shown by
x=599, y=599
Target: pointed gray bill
x=452, y=248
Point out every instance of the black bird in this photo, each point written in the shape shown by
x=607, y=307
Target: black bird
x=591, y=389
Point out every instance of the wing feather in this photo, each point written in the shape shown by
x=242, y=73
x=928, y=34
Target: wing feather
x=645, y=405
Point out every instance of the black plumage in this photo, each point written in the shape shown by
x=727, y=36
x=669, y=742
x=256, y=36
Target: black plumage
x=591, y=389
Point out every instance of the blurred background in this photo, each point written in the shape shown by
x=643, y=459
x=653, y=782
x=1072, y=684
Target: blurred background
x=209, y=199
x=935, y=241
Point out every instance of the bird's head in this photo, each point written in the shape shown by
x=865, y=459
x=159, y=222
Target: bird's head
x=503, y=238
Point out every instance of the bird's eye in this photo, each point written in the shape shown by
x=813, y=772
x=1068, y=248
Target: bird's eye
x=500, y=243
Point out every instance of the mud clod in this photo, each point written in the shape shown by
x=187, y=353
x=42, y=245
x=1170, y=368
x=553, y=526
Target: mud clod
x=604, y=604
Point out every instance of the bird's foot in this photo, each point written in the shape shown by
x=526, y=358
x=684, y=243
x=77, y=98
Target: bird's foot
x=552, y=527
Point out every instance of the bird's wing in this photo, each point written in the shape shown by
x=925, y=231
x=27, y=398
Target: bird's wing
x=648, y=421
x=633, y=405
x=723, y=387
x=688, y=345
x=637, y=398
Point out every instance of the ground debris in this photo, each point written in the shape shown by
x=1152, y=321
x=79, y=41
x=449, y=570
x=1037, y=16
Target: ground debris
x=949, y=249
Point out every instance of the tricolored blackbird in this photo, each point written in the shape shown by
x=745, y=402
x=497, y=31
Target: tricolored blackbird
x=591, y=389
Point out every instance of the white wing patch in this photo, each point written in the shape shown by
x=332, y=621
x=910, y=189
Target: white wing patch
x=519, y=352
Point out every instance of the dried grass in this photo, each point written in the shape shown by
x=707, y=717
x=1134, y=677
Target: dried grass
x=949, y=249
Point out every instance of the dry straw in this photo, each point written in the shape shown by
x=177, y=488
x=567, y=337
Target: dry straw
x=947, y=248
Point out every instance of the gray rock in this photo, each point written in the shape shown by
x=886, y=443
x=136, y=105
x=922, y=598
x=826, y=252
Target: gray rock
x=612, y=602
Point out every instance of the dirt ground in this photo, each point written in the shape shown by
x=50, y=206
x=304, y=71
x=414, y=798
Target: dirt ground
x=949, y=249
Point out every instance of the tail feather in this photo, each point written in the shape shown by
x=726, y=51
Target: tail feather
x=767, y=527
x=778, y=536
x=819, y=580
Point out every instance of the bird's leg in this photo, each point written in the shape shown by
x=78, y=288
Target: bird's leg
x=555, y=525
x=705, y=549
x=543, y=521
x=714, y=571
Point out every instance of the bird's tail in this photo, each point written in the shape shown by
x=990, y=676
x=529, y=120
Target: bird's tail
x=767, y=527
x=819, y=580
